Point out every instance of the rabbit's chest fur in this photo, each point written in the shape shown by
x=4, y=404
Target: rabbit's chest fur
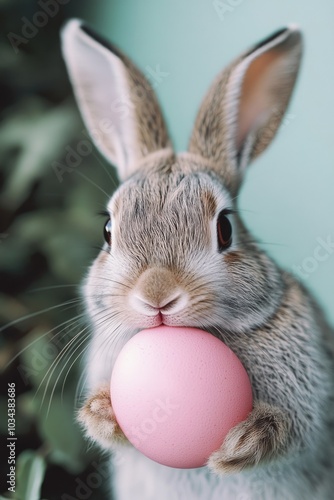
x=151, y=481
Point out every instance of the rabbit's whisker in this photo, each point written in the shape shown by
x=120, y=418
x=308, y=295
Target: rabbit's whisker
x=69, y=303
x=71, y=320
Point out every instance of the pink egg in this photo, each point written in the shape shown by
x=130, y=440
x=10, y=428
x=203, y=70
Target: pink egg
x=176, y=392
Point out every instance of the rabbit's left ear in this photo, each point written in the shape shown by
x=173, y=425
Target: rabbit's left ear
x=245, y=105
x=117, y=103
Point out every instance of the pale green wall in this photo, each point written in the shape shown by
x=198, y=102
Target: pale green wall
x=288, y=196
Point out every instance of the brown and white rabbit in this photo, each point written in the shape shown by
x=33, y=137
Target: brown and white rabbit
x=177, y=253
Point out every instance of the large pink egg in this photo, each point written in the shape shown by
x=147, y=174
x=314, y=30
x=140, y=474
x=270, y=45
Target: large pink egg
x=176, y=392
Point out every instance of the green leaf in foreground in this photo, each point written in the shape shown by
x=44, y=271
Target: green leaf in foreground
x=30, y=474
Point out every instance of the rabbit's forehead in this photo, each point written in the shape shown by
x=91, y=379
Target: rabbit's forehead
x=198, y=193
x=166, y=219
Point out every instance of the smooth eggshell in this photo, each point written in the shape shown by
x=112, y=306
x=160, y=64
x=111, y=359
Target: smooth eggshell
x=176, y=392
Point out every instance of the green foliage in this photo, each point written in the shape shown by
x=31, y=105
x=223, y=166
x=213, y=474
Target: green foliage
x=49, y=234
x=59, y=429
x=30, y=474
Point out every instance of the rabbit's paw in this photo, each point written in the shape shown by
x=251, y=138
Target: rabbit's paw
x=262, y=436
x=98, y=419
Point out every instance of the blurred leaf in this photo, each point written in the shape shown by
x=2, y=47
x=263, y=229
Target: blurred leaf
x=10, y=308
x=26, y=407
x=63, y=435
x=30, y=474
x=39, y=134
x=41, y=230
x=3, y=411
x=6, y=355
x=49, y=233
x=36, y=359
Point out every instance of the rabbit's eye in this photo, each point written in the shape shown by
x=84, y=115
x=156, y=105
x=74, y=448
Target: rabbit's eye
x=224, y=230
x=107, y=232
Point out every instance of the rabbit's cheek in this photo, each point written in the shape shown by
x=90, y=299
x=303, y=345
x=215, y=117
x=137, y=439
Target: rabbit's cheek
x=232, y=258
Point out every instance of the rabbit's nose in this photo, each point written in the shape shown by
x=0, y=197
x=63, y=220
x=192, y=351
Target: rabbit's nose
x=171, y=305
x=158, y=290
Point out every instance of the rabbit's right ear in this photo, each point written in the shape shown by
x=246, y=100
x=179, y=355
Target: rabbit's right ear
x=116, y=101
x=245, y=105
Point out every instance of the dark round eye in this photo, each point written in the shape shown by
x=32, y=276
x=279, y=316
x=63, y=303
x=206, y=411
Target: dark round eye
x=107, y=232
x=224, y=230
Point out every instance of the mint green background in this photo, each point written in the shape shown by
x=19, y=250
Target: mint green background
x=287, y=198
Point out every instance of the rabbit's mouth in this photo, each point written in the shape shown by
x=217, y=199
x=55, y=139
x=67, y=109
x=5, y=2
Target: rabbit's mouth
x=155, y=309
x=160, y=319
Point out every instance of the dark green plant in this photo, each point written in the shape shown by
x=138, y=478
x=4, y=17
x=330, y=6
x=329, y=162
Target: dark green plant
x=52, y=184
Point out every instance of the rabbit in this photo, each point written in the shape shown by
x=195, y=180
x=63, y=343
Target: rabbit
x=177, y=253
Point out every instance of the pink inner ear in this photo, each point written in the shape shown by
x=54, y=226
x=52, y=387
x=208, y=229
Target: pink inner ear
x=257, y=93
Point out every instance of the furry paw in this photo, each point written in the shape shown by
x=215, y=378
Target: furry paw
x=259, y=438
x=98, y=420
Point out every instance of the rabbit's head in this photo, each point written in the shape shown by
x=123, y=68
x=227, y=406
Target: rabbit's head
x=176, y=251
